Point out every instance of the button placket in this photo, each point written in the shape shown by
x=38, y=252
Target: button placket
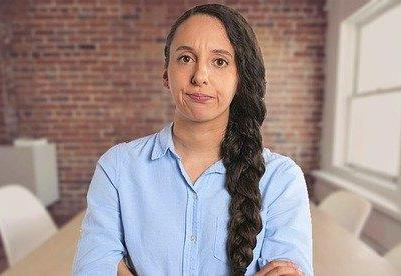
x=194, y=232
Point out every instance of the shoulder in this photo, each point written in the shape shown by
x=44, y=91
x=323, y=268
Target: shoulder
x=277, y=163
x=122, y=151
x=140, y=147
x=283, y=178
x=117, y=156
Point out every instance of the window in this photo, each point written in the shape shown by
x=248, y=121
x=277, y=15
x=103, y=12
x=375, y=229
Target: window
x=365, y=149
x=374, y=129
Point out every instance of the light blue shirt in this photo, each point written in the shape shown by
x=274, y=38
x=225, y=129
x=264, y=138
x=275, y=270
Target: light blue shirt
x=142, y=202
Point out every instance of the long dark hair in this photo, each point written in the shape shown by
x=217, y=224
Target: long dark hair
x=241, y=148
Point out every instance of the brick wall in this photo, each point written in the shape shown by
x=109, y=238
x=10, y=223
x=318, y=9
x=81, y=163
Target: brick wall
x=3, y=135
x=4, y=36
x=87, y=75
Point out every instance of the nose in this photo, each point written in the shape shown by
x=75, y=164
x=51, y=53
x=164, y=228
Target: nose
x=200, y=75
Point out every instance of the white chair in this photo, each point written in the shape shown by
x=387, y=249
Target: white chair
x=394, y=256
x=24, y=222
x=348, y=209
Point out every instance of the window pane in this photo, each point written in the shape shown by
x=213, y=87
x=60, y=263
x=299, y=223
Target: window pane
x=374, y=133
x=380, y=52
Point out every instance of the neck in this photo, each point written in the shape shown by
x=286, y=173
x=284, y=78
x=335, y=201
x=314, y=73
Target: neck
x=198, y=139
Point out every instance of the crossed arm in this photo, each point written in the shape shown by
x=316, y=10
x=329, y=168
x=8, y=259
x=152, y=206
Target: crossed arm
x=280, y=267
x=123, y=270
x=271, y=269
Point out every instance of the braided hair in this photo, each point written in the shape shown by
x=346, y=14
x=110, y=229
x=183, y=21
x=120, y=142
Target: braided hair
x=241, y=148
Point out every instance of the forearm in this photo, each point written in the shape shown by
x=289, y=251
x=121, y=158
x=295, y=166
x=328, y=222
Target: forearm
x=123, y=269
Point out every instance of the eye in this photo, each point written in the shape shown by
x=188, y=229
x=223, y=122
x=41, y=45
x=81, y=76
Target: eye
x=184, y=58
x=220, y=62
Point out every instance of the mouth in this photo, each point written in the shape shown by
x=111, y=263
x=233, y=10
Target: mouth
x=199, y=97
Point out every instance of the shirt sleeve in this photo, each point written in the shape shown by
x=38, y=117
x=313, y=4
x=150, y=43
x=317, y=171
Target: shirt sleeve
x=101, y=244
x=288, y=232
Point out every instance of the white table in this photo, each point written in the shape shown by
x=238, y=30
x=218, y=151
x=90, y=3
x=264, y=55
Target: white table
x=336, y=252
x=54, y=257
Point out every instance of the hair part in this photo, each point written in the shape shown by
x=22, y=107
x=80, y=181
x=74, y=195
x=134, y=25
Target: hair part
x=241, y=149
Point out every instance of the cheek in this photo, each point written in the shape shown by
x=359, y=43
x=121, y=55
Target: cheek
x=176, y=83
x=226, y=92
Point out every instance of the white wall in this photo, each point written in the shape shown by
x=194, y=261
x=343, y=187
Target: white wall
x=382, y=231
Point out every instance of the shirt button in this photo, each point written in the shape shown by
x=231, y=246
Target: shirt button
x=193, y=238
x=195, y=197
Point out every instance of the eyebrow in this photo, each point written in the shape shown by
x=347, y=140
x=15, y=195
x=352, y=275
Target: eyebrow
x=217, y=51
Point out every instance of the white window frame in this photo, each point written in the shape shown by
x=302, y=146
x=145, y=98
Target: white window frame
x=384, y=192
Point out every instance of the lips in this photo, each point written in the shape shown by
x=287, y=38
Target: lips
x=199, y=97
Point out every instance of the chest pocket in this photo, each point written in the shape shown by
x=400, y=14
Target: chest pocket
x=221, y=235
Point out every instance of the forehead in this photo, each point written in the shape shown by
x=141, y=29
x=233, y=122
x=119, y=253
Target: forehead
x=200, y=31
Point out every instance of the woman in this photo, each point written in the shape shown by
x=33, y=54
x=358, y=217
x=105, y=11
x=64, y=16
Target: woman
x=202, y=196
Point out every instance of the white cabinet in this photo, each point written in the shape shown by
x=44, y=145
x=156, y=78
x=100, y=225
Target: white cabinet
x=34, y=167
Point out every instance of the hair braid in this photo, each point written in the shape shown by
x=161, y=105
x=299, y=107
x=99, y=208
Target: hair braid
x=241, y=151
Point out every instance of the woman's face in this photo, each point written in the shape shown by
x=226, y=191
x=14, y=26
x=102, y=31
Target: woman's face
x=202, y=60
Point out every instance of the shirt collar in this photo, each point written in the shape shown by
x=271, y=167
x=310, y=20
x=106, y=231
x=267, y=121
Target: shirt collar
x=164, y=142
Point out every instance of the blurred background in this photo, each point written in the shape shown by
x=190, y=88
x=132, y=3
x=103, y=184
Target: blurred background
x=77, y=77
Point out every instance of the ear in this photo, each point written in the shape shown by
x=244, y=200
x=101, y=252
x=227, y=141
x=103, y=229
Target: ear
x=165, y=79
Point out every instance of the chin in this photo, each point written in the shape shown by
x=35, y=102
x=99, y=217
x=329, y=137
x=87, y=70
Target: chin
x=198, y=118
x=204, y=119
